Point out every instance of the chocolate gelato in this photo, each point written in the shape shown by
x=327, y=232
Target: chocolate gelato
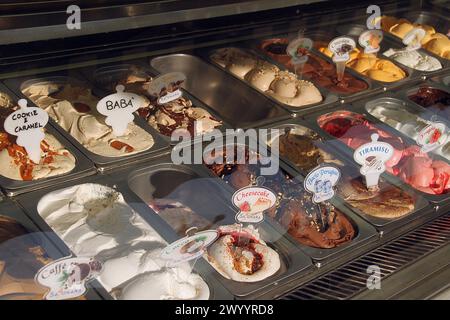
x=435, y=100
x=316, y=69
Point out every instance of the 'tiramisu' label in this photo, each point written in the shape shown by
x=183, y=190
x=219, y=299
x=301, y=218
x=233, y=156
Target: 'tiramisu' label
x=27, y=124
x=372, y=157
x=67, y=277
x=252, y=202
x=119, y=108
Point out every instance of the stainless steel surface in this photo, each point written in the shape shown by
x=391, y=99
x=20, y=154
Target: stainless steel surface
x=190, y=189
x=351, y=279
x=327, y=97
x=83, y=166
x=235, y=103
x=349, y=169
x=103, y=163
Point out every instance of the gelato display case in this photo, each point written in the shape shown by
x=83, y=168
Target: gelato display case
x=163, y=119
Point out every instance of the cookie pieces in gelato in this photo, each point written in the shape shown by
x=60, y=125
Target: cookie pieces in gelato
x=73, y=107
x=95, y=221
x=241, y=255
x=15, y=162
x=283, y=86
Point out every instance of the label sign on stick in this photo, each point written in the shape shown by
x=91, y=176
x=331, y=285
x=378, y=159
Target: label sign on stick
x=189, y=248
x=252, y=202
x=166, y=87
x=372, y=157
x=67, y=277
x=28, y=124
x=298, y=49
x=341, y=47
x=370, y=40
x=321, y=182
x=413, y=38
x=432, y=136
x=119, y=108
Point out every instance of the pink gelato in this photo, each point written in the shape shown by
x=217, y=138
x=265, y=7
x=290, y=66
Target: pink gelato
x=408, y=163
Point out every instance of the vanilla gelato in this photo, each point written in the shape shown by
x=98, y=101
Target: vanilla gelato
x=283, y=86
x=414, y=59
x=241, y=255
x=15, y=162
x=74, y=109
x=95, y=221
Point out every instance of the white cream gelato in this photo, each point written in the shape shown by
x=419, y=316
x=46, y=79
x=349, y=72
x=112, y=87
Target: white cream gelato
x=74, y=109
x=241, y=255
x=95, y=221
x=414, y=59
x=283, y=86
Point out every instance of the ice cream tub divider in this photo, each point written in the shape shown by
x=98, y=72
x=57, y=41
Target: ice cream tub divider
x=104, y=77
x=327, y=97
x=17, y=85
x=347, y=167
x=83, y=166
x=257, y=45
x=293, y=262
x=347, y=152
x=31, y=201
x=232, y=101
x=444, y=79
x=44, y=238
x=365, y=233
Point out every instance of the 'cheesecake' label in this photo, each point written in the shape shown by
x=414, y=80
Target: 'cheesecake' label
x=67, y=277
x=432, y=136
x=372, y=157
x=341, y=48
x=321, y=181
x=28, y=125
x=188, y=248
x=252, y=202
x=119, y=108
x=167, y=87
x=370, y=40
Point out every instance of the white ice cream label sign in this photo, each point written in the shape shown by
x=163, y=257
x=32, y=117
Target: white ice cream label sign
x=341, y=47
x=252, y=202
x=28, y=124
x=167, y=87
x=370, y=40
x=413, y=38
x=298, y=48
x=119, y=108
x=321, y=182
x=67, y=277
x=433, y=136
x=372, y=157
x=189, y=248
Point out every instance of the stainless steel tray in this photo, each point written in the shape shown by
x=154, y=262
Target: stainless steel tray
x=327, y=97
x=365, y=233
x=342, y=97
x=238, y=106
x=103, y=163
x=381, y=86
x=29, y=203
x=114, y=72
x=354, y=30
x=422, y=207
x=217, y=209
x=348, y=152
x=83, y=166
x=45, y=239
